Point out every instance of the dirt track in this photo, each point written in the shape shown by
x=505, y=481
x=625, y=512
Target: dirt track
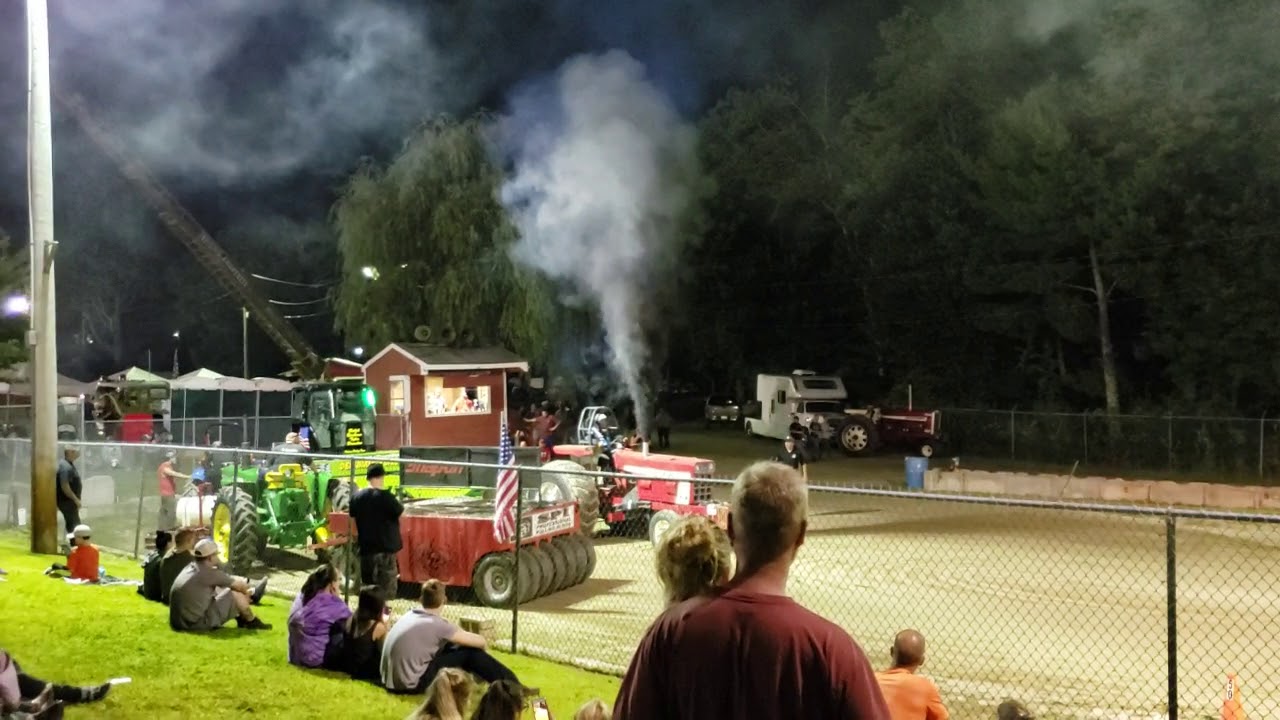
x=1067, y=611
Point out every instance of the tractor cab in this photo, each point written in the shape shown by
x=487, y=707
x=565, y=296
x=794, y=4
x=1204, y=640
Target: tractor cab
x=335, y=417
x=597, y=425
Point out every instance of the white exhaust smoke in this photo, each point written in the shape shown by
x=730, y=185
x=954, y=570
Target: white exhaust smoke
x=605, y=173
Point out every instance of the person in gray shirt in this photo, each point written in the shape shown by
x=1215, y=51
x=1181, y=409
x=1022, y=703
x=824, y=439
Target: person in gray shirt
x=206, y=598
x=422, y=643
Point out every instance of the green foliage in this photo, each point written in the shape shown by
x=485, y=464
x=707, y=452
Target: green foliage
x=431, y=226
x=13, y=281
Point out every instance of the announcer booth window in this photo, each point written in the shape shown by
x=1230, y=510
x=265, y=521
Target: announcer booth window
x=443, y=400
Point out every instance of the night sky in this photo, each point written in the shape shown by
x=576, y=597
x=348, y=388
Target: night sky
x=251, y=109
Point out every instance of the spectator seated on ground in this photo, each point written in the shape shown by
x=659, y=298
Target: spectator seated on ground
x=177, y=558
x=502, y=700
x=83, y=561
x=422, y=643
x=150, y=587
x=908, y=695
x=447, y=697
x=317, y=620
x=693, y=559
x=21, y=693
x=204, y=597
x=364, y=634
x=593, y=710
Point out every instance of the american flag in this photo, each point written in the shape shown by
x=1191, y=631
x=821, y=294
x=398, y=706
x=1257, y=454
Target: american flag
x=504, y=512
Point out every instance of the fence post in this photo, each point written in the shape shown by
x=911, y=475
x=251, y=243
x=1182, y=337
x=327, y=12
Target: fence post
x=137, y=528
x=515, y=585
x=1262, y=444
x=1168, y=437
x=1084, y=422
x=1171, y=600
x=1013, y=434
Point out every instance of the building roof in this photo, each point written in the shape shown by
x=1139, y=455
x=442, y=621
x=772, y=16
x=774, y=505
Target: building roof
x=438, y=358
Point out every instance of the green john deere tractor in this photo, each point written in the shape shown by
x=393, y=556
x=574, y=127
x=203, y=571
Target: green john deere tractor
x=285, y=506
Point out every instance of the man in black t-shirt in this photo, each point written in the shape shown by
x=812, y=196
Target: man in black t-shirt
x=794, y=457
x=376, y=513
x=69, y=488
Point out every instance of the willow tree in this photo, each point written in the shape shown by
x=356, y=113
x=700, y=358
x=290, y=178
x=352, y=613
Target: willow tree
x=425, y=242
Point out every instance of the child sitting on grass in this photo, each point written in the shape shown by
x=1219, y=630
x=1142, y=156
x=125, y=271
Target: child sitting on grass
x=694, y=558
x=447, y=697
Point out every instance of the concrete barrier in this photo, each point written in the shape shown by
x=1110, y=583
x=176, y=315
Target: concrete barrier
x=940, y=481
x=1092, y=488
x=979, y=482
x=1173, y=493
x=1230, y=497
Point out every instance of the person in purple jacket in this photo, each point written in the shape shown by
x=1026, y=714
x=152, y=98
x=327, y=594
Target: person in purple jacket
x=317, y=615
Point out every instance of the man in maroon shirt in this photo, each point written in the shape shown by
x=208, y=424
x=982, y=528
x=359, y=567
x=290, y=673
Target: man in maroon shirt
x=751, y=652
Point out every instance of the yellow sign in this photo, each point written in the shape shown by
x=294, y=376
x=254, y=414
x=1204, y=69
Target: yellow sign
x=355, y=436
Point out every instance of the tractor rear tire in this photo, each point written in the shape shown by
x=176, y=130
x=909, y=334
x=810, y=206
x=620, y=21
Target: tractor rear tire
x=546, y=569
x=345, y=559
x=563, y=480
x=659, y=523
x=339, y=500
x=244, y=542
x=340, y=496
x=494, y=580
x=586, y=557
x=858, y=437
x=530, y=576
x=562, y=561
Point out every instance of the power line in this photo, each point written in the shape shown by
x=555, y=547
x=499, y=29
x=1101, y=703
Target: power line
x=300, y=302
x=323, y=286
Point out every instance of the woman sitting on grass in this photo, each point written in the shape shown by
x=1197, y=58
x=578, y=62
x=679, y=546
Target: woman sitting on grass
x=694, y=558
x=447, y=697
x=365, y=630
x=315, y=612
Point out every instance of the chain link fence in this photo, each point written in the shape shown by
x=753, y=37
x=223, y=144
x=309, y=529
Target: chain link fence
x=1081, y=611
x=1217, y=447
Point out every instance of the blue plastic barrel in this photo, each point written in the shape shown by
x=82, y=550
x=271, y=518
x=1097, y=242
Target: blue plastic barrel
x=915, y=472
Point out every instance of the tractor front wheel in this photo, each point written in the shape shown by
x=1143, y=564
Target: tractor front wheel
x=235, y=528
x=339, y=500
x=563, y=481
x=494, y=580
x=659, y=523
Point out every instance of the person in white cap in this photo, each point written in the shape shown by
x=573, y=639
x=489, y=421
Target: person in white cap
x=84, y=557
x=204, y=597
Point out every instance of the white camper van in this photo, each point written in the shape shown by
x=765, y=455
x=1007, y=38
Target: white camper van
x=809, y=395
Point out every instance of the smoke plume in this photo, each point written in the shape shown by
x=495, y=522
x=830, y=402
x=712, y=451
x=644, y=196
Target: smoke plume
x=605, y=176
x=210, y=90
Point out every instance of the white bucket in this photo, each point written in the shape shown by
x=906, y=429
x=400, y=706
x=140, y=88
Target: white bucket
x=195, y=511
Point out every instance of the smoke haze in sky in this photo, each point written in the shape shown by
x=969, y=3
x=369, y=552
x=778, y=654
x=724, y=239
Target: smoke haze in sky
x=605, y=174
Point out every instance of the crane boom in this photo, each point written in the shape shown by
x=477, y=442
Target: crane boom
x=306, y=362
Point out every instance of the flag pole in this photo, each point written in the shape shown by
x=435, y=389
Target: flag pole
x=515, y=600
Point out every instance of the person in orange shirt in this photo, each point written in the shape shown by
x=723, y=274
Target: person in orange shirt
x=910, y=696
x=82, y=562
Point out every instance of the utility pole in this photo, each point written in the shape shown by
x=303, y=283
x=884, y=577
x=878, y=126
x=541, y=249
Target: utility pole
x=244, y=341
x=42, y=337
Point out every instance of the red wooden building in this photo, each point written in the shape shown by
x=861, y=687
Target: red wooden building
x=436, y=395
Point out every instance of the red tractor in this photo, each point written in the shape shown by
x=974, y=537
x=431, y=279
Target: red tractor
x=451, y=539
x=662, y=487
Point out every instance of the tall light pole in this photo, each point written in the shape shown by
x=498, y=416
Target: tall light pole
x=244, y=341
x=42, y=337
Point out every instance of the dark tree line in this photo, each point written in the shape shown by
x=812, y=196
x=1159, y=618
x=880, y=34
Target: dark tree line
x=1075, y=214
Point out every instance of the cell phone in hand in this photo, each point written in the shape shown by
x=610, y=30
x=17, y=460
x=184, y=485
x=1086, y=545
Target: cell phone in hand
x=540, y=710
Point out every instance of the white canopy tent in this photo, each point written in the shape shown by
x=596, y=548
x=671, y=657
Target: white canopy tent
x=206, y=382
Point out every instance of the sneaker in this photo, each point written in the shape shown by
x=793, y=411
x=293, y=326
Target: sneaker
x=256, y=624
x=259, y=590
x=94, y=694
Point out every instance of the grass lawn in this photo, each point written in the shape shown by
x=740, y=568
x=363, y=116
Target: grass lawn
x=87, y=635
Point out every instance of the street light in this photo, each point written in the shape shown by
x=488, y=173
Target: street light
x=17, y=305
x=177, y=333
x=370, y=272
x=358, y=351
